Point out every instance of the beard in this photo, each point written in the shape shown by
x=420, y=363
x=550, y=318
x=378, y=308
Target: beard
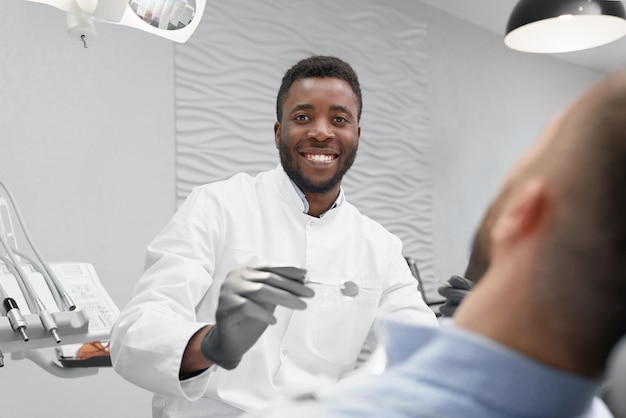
x=305, y=184
x=480, y=257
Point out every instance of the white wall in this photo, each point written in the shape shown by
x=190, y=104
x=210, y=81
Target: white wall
x=225, y=122
x=87, y=147
x=487, y=104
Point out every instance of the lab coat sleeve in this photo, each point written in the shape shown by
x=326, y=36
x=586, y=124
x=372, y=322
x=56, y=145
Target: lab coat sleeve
x=401, y=298
x=152, y=331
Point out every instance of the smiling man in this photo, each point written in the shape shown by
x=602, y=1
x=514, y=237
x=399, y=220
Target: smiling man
x=262, y=285
x=318, y=140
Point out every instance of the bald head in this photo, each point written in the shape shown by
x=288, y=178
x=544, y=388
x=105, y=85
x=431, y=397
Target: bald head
x=581, y=270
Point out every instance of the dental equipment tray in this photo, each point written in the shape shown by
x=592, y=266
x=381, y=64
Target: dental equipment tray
x=90, y=322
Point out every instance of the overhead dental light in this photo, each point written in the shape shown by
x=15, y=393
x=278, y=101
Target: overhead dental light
x=552, y=26
x=175, y=20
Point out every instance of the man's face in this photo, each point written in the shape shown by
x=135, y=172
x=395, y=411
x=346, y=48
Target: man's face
x=319, y=133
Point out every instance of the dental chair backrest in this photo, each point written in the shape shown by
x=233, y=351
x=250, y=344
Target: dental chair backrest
x=615, y=396
x=416, y=273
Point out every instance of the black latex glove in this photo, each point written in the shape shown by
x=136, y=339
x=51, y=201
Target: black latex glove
x=246, y=306
x=454, y=290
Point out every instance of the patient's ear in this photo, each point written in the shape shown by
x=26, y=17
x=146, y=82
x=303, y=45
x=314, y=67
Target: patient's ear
x=523, y=214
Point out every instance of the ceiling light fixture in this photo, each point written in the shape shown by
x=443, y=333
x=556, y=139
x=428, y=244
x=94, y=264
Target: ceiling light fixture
x=552, y=26
x=175, y=20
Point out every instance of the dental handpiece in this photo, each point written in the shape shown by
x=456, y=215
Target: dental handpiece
x=17, y=321
x=47, y=320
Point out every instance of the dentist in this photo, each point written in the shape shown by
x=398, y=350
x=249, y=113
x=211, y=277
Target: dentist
x=213, y=335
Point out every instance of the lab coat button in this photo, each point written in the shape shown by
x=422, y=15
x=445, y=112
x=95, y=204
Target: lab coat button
x=285, y=352
x=311, y=223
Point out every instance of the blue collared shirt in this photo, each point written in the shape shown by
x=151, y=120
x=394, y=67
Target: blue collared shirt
x=451, y=373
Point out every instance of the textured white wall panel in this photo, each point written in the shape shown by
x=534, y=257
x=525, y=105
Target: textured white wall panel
x=228, y=74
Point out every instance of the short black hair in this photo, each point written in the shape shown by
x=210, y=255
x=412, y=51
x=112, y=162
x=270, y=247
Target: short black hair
x=319, y=66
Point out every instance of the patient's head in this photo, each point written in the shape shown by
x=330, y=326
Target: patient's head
x=560, y=223
x=586, y=242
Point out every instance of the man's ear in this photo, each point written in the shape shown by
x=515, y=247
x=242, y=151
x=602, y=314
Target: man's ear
x=277, y=134
x=523, y=213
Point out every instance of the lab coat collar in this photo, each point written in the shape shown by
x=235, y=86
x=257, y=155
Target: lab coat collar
x=283, y=179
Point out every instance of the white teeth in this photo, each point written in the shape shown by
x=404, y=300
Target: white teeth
x=319, y=157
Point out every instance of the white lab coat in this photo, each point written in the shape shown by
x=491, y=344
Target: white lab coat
x=253, y=221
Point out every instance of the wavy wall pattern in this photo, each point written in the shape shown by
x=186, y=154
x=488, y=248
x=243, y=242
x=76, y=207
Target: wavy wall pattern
x=228, y=74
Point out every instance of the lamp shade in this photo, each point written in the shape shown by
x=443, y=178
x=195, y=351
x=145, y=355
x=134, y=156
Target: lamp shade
x=552, y=26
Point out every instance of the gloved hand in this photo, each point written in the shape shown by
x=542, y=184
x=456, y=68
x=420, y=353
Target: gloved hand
x=246, y=306
x=454, y=290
